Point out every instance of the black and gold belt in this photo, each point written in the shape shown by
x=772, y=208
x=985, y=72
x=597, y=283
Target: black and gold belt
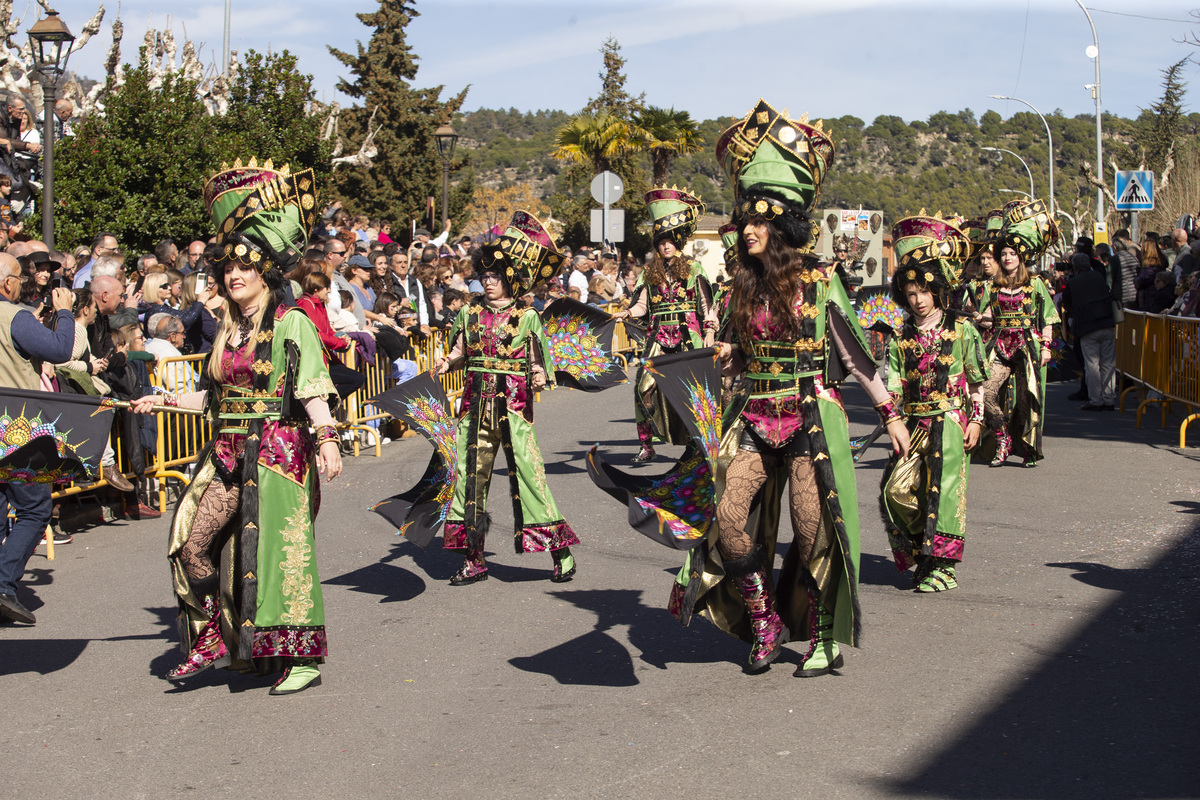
x=777, y=367
x=934, y=406
x=507, y=366
x=1010, y=321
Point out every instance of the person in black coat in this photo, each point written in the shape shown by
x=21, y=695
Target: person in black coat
x=1088, y=302
x=1164, y=292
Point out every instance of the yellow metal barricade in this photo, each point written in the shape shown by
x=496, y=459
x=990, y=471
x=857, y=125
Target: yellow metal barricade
x=1154, y=366
x=1131, y=339
x=181, y=437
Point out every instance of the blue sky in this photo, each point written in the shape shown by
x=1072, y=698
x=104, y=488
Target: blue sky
x=908, y=58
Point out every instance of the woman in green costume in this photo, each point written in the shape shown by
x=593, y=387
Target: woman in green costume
x=242, y=548
x=675, y=297
x=935, y=376
x=1019, y=314
x=795, y=338
x=504, y=349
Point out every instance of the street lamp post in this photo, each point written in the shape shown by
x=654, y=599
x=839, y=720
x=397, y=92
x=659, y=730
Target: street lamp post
x=446, y=138
x=1017, y=191
x=1018, y=158
x=50, y=46
x=1049, y=139
x=1093, y=52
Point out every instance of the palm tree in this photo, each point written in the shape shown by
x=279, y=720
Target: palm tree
x=597, y=140
x=666, y=134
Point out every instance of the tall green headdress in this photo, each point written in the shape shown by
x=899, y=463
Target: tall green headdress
x=931, y=252
x=777, y=165
x=1028, y=229
x=729, y=236
x=675, y=212
x=977, y=234
x=263, y=215
x=524, y=255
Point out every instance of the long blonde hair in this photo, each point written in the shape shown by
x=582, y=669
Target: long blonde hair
x=152, y=287
x=229, y=325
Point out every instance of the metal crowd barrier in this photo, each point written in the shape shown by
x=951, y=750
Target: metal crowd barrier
x=182, y=437
x=1162, y=355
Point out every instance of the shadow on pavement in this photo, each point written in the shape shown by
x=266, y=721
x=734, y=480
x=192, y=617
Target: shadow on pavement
x=597, y=659
x=439, y=565
x=392, y=583
x=42, y=656
x=1111, y=714
x=876, y=570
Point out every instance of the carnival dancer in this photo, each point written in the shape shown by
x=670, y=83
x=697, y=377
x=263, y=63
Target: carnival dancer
x=795, y=337
x=1019, y=315
x=981, y=266
x=242, y=541
x=675, y=295
x=935, y=376
x=503, y=346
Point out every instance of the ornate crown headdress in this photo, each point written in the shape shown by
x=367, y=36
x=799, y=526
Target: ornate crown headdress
x=263, y=215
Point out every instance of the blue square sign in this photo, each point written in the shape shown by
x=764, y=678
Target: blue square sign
x=1135, y=190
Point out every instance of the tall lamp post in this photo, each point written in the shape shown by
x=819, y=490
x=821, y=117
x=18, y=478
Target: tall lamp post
x=50, y=45
x=1093, y=52
x=1049, y=139
x=1018, y=158
x=446, y=138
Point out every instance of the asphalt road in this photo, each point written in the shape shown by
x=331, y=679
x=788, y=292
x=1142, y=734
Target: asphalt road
x=1064, y=666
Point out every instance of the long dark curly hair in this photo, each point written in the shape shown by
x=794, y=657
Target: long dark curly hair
x=679, y=268
x=772, y=277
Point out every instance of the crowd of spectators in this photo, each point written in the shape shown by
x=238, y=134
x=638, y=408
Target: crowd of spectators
x=136, y=313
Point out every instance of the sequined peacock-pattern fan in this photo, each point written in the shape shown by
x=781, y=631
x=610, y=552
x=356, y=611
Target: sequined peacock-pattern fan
x=580, y=338
x=418, y=513
x=676, y=509
x=46, y=437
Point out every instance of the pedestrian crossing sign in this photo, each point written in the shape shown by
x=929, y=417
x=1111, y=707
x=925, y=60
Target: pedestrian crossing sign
x=1135, y=190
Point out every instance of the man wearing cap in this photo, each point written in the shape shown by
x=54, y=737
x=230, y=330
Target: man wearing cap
x=421, y=239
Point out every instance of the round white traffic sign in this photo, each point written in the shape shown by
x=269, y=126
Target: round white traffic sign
x=607, y=187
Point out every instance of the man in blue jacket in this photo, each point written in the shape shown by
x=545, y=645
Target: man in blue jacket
x=24, y=344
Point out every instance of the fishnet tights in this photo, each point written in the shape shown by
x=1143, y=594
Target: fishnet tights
x=745, y=476
x=217, y=507
x=993, y=411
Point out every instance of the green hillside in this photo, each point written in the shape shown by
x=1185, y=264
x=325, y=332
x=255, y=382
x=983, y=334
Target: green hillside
x=889, y=164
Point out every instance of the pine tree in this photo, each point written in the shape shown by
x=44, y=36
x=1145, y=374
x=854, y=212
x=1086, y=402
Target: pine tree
x=1161, y=123
x=613, y=99
x=407, y=168
x=602, y=137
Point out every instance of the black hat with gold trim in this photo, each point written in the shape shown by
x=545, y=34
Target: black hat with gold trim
x=777, y=164
x=524, y=255
x=675, y=212
x=262, y=214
